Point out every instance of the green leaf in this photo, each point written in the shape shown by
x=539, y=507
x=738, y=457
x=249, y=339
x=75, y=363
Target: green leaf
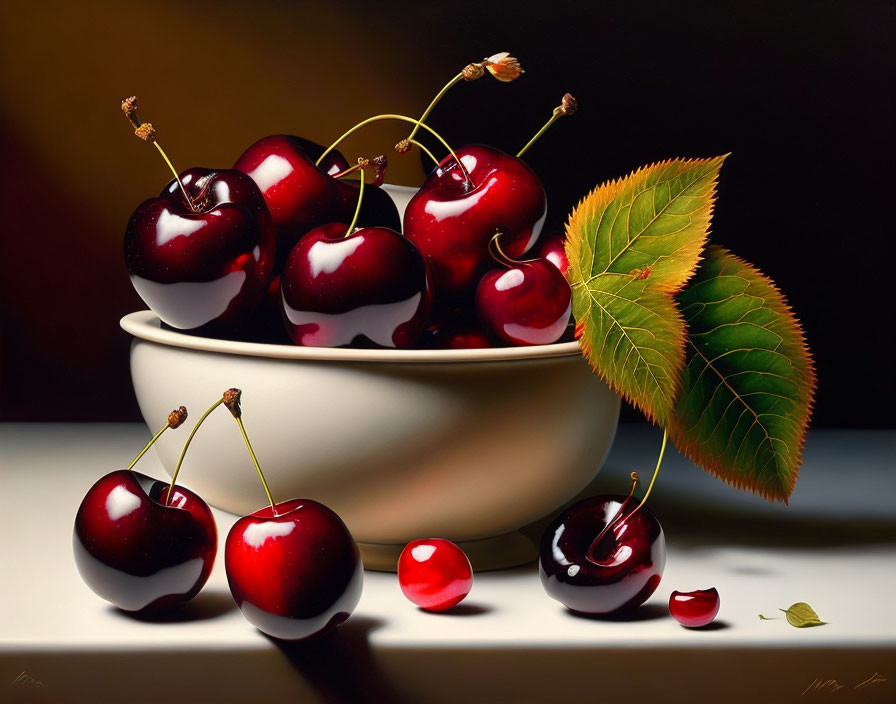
x=632, y=244
x=765, y=618
x=801, y=615
x=748, y=382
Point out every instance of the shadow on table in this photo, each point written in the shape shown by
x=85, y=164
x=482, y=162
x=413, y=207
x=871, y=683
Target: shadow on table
x=206, y=605
x=341, y=667
x=645, y=612
x=704, y=524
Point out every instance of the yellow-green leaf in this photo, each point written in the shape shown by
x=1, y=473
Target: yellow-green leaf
x=748, y=383
x=801, y=615
x=632, y=244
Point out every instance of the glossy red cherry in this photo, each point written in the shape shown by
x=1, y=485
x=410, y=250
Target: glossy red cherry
x=205, y=262
x=695, y=609
x=139, y=551
x=526, y=303
x=302, y=196
x=372, y=286
x=614, y=574
x=553, y=248
x=434, y=574
x=452, y=220
x=294, y=569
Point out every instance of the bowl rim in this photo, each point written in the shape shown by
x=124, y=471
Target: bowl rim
x=145, y=325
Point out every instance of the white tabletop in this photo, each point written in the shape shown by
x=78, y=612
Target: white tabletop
x=833, y=547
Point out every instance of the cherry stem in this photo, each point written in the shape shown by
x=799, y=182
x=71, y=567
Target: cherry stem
x=239, y=422
x=441, y=94
x=351, y=226
x=423, y=149
x=568, y=106
x=596, y=542
x=149, y=445
x=656, y=471
x=498, y=254
x=401, y=118
x=618, y=517
x=183, y=452
x=146, y=132
x=176, y=175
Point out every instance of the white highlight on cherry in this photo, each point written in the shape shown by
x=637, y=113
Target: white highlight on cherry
x=171, y=225
x=510, y=279
x=120, y=502
x=540, y=336
x=337, y=329
x=256, y=534
x=271, y=171
x=211, y=298
x=422, y=553
x=327, y=257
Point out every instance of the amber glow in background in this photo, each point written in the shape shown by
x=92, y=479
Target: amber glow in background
x=797, y=91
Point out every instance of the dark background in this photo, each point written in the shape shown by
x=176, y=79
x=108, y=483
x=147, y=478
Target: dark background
x=801, y=93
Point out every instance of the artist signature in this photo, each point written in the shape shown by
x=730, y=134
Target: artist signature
x=830, y=686
x=24, y=678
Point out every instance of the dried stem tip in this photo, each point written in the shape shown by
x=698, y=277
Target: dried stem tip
x=177, y=417
x=146, y=132
x=232, y=401
x=568, y=105
x=502, y=66
x=379, y=164
x=129, y=108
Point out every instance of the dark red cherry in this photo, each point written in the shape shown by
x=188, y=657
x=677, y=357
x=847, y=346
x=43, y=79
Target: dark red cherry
x=553, y=248
x=294, y=570
x=456, y=328
x=695, y=609
x=451, y=220
x=137, y=551
x=434, y=574
x=206, y=262
x=618, y=573
x=526, y=303
x=302, y=196
x=372, y=286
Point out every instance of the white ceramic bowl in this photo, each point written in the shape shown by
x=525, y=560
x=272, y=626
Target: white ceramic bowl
x=470, y=445
x=403, y=444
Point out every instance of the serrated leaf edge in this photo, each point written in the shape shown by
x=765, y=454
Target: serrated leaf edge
x=692, y=450
x=572, y=246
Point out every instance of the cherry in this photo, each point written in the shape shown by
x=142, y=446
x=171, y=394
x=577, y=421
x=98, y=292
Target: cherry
x=553, y=248
x=293, y=567
x=465, y=200
x=142, y=544
x=601, y=557
x=341, y=286
x=695, y=609
x=463, y=336
x=302, y=195
x=454, y=215
x=434, y=574
x=528, y=303
x=201, y=254
x=457, y=327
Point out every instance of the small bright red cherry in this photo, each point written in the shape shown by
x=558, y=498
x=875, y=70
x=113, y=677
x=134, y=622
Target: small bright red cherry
x=696, y=608
x=434, y=574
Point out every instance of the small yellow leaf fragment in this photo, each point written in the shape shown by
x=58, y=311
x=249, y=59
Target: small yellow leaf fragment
x=801, y=615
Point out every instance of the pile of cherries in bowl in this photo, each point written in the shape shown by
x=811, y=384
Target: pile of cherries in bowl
x=283, y=247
